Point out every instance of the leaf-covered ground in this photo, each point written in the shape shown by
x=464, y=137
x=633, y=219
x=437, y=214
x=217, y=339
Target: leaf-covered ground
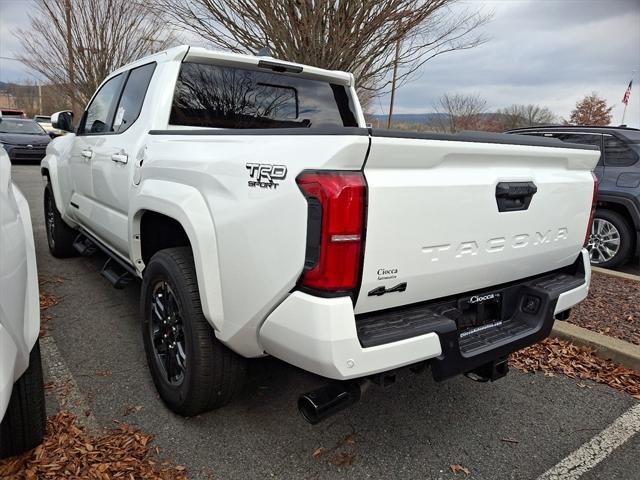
x=69, y=452
x=554, y=356
x=612, y=308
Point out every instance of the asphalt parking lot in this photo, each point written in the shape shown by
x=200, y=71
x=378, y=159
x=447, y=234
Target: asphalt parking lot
x=516, y=428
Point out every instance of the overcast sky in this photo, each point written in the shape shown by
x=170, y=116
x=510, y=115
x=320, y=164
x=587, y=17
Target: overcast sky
x=547, y=52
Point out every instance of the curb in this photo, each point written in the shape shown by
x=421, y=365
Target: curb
x=613, y=273
x=619, y=351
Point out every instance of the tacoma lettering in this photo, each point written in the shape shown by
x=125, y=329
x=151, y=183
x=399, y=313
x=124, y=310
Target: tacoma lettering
x=472, y=248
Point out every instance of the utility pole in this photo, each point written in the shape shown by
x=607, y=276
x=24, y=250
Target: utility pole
x=70, y=67
x=393, y=82
x=39, y=98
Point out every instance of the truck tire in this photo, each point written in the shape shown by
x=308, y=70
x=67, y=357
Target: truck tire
x=24, y=422
x=611, y=241
x=60, y=236
x=192, y=371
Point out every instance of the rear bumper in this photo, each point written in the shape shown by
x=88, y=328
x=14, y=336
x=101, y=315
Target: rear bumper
x=323, y=336
x=319, y=335
x=574, y=296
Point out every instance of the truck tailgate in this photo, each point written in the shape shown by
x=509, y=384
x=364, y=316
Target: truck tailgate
x=435, y=223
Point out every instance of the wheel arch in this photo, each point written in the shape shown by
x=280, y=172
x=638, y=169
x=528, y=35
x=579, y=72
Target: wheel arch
x=627, y=206
x=159, y=206
x=624, y=205
x=49, y=172
x=158, y=232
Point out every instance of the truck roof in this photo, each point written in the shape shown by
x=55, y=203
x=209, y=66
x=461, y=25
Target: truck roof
x=187, y=53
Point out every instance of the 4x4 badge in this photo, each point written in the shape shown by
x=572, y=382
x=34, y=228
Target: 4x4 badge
x=264, y=175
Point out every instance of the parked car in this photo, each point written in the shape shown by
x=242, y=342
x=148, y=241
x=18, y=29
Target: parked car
x=12, y=112
x=264, y=218
x=45, y=122
x=615, y=237
x=22, y=408
x=24, y=140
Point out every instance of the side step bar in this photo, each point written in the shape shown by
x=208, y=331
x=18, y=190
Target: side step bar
x=116, y=273
x=114, y=269
x=84, y=246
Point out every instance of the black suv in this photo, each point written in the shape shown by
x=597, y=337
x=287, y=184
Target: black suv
x=615, y=238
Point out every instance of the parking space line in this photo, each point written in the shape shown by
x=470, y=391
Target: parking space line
x=597, y=449
x=67, y=391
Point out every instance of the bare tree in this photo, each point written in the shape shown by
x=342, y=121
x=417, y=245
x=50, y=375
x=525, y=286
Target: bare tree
x=458, y=112
x=105, y=35
x=516, y=116
x=591, y=110
x=359, y=36
x=34, y=99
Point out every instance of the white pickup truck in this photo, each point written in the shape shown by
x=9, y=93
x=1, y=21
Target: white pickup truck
x=263, y=217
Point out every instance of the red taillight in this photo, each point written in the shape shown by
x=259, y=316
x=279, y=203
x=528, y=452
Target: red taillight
x=593, y=208
x=336, y=228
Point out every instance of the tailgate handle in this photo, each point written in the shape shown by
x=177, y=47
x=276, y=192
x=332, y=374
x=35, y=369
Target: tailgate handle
x=514, y=196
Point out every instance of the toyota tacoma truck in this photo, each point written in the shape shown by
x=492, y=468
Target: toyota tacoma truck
x=263, y=217
x=22, y=407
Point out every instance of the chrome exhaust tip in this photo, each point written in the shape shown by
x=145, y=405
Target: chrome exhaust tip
x=321, y=403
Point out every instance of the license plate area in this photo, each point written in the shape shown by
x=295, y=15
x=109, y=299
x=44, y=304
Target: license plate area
x=480, y=312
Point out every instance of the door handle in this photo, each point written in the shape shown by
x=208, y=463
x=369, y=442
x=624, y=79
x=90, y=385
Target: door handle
x=514, y=196
x=87, y=153
x=120, y=157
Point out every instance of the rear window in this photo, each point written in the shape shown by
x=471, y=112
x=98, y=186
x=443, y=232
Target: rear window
x=617, y=153
x=224, y=97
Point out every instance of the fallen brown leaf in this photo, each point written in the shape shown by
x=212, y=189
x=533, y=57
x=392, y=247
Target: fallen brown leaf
x=351, y=438
x=343, y=459
x=457, y=468
x=317, y=453
x=47, y=300
x=132, y=409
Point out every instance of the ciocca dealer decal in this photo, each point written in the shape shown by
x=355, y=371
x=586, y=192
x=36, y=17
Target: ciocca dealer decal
x=265, y=175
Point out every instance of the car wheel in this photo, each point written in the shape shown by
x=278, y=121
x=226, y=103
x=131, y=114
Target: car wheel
x=24, y=423
x=611, y=241
x=60, y=236
x=192, y=371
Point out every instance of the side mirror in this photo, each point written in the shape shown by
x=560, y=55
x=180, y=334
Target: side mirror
x=63, y=120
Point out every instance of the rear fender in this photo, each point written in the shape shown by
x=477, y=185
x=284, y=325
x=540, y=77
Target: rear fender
x=626, y=202
x=186, y=205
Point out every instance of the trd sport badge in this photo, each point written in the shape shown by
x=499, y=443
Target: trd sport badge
x=264, y=175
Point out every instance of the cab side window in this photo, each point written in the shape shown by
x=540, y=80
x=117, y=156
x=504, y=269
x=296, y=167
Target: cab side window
x=617, y=153
x=133, y=97
x=99, y=115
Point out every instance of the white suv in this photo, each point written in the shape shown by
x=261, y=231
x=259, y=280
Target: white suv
x=22, y=407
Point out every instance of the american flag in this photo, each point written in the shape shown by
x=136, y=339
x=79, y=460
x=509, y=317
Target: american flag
x=627, y=94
